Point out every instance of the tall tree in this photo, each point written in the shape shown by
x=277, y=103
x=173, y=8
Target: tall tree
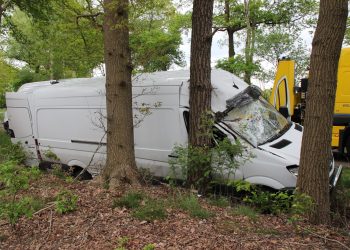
x=316, y=155
x=120, y=167
x=251, y=16
x=37, y=8
x=200, y=79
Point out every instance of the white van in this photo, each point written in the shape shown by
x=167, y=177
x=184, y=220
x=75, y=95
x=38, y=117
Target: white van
x=69, y=119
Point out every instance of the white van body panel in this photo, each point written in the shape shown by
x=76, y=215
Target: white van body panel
x=68, y=118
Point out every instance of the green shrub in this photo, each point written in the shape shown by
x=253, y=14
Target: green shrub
x=122, y=242
x=13, y=179
x=191, y=204
x=9, y=151
x=13, y=210
x=152, y=210
x=66, y=201
x=149, y=247
x=130, y=200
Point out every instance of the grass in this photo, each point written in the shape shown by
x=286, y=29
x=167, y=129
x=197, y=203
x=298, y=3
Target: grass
x=245, y=211
x=219, y=201
x=345, y=178
x=150, y=211
x=2, y=114
x=191, y=204
x=130, y=200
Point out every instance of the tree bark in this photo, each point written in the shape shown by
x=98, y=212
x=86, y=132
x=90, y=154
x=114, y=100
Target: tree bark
x=230, y=31
x=316, y=155
x=248, y=40
x=120, y=167
x=200, y=79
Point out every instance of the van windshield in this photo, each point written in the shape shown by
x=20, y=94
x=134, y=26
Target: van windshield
x=257, y=121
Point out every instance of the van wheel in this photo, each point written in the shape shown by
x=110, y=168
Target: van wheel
x=84, y=176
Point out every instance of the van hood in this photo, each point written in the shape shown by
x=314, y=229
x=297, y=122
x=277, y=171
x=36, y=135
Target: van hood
x=287, y=146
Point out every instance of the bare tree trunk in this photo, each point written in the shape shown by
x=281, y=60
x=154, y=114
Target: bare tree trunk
x=230, y=31
x=120, y=167
x=231, y=44
x=247, y=73
x=200, y=80
x=315, y=158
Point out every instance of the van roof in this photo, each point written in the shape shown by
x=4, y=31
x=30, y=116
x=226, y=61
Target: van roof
x=225, y=85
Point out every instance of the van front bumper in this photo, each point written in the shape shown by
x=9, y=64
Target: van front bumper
x=333, y=180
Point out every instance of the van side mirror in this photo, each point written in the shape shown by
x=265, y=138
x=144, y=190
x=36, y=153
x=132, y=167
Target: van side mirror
x=284, y=111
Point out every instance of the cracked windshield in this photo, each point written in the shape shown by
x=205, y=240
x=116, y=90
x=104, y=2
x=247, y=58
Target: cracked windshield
x=257, y=121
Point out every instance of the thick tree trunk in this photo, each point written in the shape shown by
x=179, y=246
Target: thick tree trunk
x=315, y=158
x=120, y=167
x=200, y=80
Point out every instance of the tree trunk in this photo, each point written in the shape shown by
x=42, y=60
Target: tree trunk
x=315, y=158
x=231, y=45
x=120, y=166
x=230, y=31
x=247, y=51
x=2, y=10
x=200, y=80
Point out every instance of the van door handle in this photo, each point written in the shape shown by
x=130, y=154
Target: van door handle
x=173, y=156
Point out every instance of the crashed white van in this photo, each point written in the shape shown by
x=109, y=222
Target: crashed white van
x=69, y=119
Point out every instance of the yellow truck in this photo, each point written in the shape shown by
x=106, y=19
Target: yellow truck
x=289, y=98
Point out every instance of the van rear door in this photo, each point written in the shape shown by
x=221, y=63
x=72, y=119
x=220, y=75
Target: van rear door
x=20, y=123
x=19, y=116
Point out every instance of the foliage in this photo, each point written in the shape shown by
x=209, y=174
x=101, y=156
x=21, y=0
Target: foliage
x=238, y=66
x=66, y=201
x=156, y=38
x=150, y=211
x=130, y=200
x=10, y=152
x=274, y=202
x=224, y=158
x=7, y=75
x=347, y=32
x=191, y=204
x=340, y=202
x=55, y=47
x=288, y=17
x=122, y=242
x=13, y=179
x=149, y=247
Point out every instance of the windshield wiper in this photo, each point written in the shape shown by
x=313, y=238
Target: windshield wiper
x=279, y=134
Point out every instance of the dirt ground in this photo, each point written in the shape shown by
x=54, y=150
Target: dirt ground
x=96, y=225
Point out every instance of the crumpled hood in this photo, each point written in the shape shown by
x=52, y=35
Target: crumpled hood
x=288, y=146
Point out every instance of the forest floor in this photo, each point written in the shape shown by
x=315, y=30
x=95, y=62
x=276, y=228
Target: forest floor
x=165, y=218
x=97, y=224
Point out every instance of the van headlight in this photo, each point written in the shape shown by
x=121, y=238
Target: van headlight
x=293, y=169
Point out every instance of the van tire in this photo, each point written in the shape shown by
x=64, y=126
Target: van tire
x=84, y=176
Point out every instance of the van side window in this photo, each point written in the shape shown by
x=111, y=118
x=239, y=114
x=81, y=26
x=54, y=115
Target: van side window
x=186, y=115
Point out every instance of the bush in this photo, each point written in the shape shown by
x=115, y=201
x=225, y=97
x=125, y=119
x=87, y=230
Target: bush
x=66, y=202
x=13, y=210
x=223, y=160
x=191, y=204
x=9, y=151
x=13, y=179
